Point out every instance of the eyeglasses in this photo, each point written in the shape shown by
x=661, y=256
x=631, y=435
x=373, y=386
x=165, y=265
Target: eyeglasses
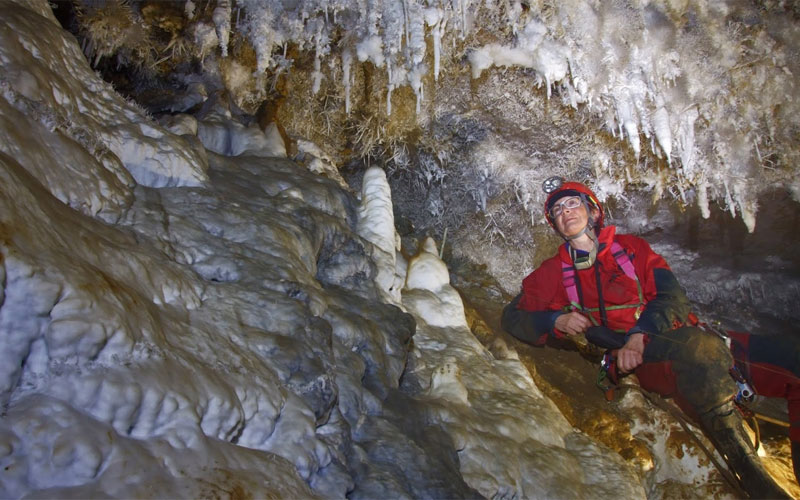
x=571, y=203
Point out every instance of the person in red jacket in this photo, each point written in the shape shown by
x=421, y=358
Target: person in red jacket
x=615, y=281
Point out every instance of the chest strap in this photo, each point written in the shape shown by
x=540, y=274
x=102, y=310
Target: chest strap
x=569, y=278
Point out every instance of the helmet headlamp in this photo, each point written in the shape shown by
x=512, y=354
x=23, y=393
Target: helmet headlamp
x=552, y=183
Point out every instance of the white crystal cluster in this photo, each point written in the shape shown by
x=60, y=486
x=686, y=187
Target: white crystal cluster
x=706, y=88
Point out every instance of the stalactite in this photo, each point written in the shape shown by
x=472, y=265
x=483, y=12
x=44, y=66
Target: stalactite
x=222, y=21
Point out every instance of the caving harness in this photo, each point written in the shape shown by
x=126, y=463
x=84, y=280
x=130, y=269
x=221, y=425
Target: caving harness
x=608, y=377
x=570, y=280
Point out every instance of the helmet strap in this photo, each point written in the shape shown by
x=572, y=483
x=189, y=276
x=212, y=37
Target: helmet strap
x=587, y=230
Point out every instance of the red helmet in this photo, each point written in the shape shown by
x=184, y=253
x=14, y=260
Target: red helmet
x=573, y=189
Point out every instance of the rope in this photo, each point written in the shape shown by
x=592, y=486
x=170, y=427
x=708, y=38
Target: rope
x=660, y=403
x=771, y=420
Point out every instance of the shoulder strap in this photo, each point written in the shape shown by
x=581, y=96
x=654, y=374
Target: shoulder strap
x=568, y=279
x=620, y=256
x=623, y=260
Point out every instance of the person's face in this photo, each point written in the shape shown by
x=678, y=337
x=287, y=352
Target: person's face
x=570, y=221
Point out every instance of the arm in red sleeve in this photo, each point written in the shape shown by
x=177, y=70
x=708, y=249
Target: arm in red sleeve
x=531, y=316
x=666, y=301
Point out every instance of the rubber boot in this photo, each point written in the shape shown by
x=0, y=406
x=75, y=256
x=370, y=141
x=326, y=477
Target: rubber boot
x=724, y=426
